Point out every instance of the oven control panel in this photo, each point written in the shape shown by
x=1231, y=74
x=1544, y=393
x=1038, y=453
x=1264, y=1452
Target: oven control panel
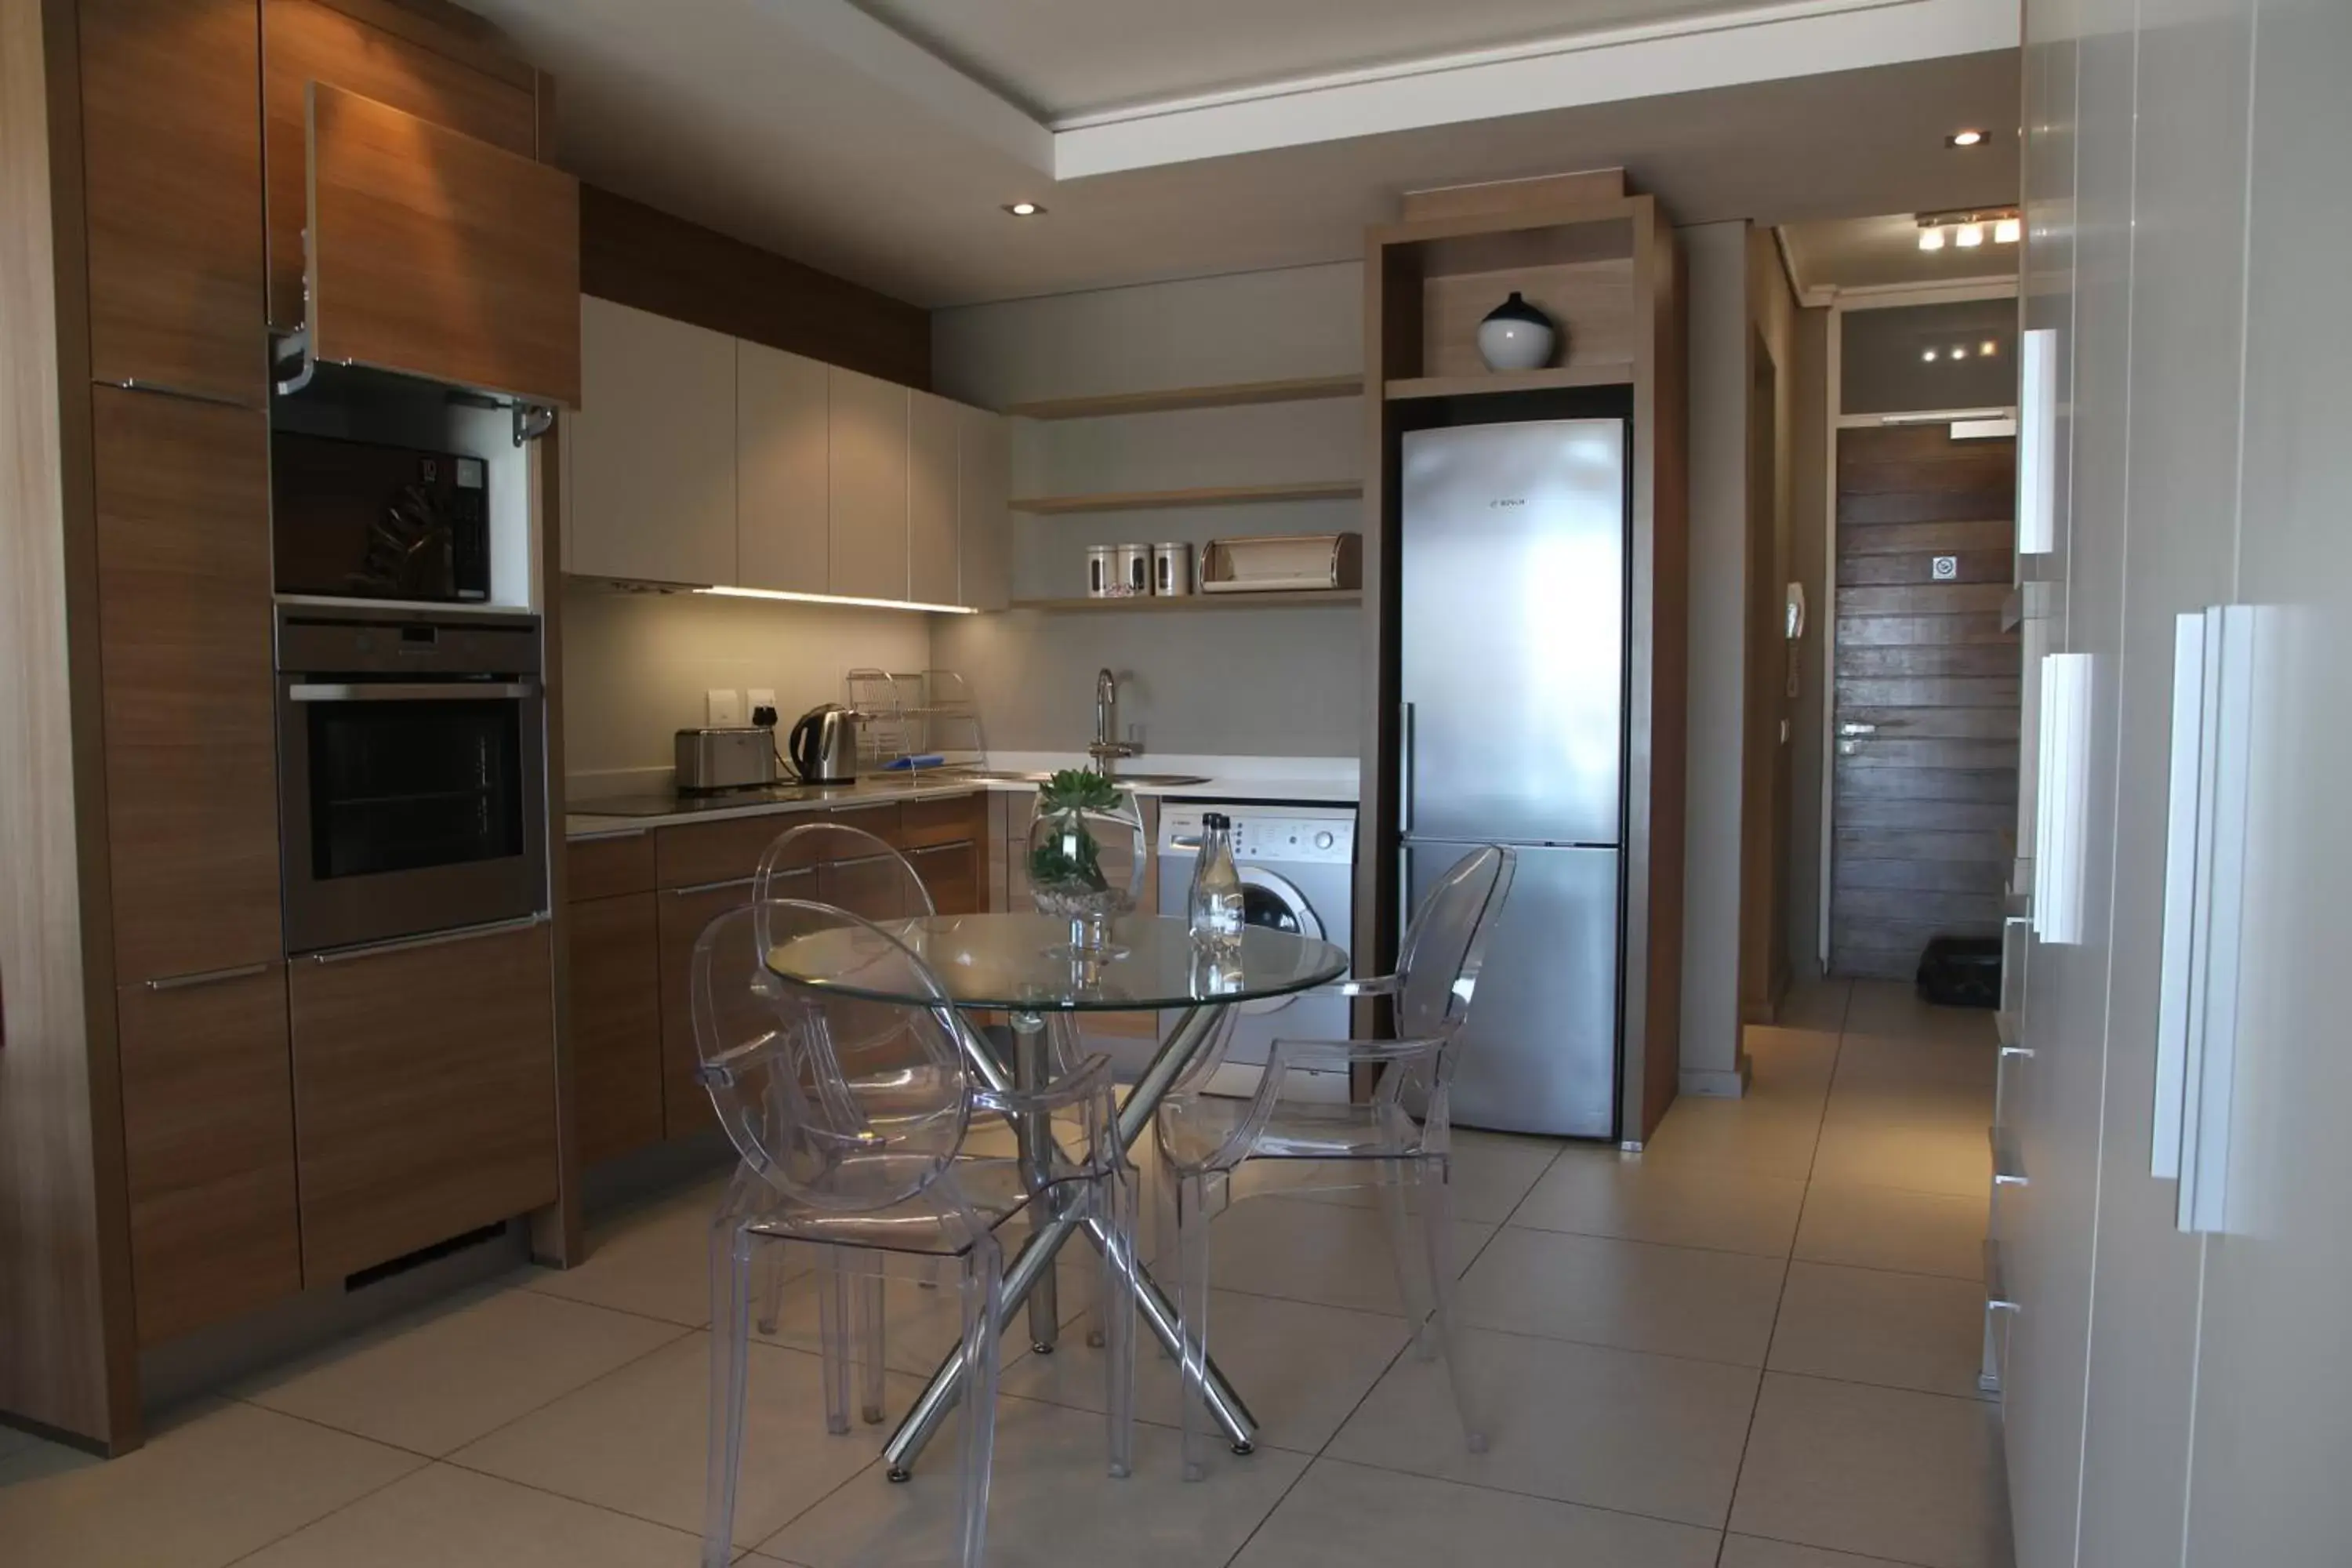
x=1298, y=836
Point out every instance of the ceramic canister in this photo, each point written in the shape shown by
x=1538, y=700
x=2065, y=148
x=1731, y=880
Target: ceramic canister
x=1102, y=571
x=1132, y=578
x=1172, y=569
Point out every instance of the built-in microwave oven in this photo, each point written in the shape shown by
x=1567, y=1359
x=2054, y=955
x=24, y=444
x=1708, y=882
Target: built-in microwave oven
x=358, y=519
x=411, y=770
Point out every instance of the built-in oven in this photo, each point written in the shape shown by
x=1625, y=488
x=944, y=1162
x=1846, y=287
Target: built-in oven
x=411, y=767
x=361, y=519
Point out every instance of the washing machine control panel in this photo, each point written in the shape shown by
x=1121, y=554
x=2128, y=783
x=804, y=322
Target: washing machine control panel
x=1294, y=835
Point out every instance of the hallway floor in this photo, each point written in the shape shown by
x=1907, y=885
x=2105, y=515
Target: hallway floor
x=1754, y=1345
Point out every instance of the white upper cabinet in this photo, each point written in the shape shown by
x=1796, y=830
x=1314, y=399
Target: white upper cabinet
x=782, y=468
x=869, y=515
x=932, y=569
x=983, y=509
x=652, y=449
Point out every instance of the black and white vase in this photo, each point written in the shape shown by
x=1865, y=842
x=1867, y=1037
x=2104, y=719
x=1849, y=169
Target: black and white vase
x=1516, y=336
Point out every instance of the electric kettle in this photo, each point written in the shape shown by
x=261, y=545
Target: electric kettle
x=824, y=745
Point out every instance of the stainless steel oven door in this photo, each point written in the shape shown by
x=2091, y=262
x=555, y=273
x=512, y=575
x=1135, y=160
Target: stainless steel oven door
x=409, y=806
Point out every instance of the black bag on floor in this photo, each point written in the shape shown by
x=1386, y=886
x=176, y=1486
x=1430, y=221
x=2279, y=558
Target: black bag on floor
x=1961, y=972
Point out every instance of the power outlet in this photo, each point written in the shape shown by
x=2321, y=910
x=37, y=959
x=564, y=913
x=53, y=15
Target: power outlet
x=760, y=697
x=723, y=709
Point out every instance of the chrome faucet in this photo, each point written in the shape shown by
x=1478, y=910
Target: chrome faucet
x=1107, y=747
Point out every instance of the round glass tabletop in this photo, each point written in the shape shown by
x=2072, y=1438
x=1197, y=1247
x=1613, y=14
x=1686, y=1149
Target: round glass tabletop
x=1021, y=963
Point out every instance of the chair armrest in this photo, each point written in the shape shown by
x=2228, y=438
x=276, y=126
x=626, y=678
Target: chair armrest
x=1349, y=1053
x=1370, y=985
x=1093, y=1077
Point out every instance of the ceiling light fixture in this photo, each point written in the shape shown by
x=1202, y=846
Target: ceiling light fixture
x=1929, y=355
x=1965, y=139
x=1989, y=348
x=1931, y=240
x=1024, y=209
x=1969, y=227
x=2007, y=231
x=1967, y=236
x=1959, y=351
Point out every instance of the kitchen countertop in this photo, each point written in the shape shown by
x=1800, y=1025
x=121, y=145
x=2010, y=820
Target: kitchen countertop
x=1321, y=780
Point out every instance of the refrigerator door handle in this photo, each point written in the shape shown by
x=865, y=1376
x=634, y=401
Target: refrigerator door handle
x=1405, y=767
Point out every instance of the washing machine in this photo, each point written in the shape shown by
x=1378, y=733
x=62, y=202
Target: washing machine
x=1298, y=864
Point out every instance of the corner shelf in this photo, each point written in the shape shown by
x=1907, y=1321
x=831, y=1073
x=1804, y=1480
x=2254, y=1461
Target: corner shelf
x=1219, y=495
x=1614, y=373
x=1231, y=395
x=1266, y=601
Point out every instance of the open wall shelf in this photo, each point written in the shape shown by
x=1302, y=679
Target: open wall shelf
x=1617, y=373
x=1231, y=395
x=1220, y=495
x=1267, y=601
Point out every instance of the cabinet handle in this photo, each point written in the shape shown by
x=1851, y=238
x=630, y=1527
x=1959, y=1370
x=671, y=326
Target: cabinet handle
x=209, y=977
x=719, y=886
x=163, y=389
x=458, y=690
x=436, y=939
x=603, y=837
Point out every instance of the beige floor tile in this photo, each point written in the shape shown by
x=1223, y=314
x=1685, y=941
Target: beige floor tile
x=921, y=1325
x=1325, y=1253
x=439, y=1380
x=1900, y=1066
x=1644, y=1433
x=1491, y=1173
x=1949, y=1153
x=1051, y=1503
x=1349, y=1516
x=1674, y=1300
x=1867, y=1325
x=1791, y=1065
x=451, y=1518
x=1879, y=1471
x=1885, y=1228
x=1602, y=1192
x=208, y=1488
x=1775, y=1136
x=1300, y=1368
x=1891, y=1010
x=654, y=1261
x=634, y=1441
x=1755, y=1551
x=1816, y=1004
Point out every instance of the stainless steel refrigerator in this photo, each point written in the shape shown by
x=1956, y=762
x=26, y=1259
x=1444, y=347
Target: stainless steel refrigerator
x=1512, y=578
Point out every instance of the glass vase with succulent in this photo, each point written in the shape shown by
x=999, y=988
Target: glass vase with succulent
x=1087, y=849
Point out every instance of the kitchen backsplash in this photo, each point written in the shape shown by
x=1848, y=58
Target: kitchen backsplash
x=636, y=666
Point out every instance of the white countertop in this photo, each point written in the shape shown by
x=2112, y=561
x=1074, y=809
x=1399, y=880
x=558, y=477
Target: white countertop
x=1323, y=779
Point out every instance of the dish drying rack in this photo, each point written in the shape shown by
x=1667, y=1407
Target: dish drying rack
x=922, y=713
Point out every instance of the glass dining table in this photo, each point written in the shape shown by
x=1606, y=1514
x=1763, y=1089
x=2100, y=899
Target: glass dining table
x=1023, y=966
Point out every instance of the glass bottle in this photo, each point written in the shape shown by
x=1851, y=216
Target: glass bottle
x=1215, y=906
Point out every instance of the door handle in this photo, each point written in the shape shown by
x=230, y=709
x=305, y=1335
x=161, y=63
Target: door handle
x=1857, y=729
x=1405, y=767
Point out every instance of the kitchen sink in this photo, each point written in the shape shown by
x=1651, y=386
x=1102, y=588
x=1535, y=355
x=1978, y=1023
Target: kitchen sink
x=1151, y=781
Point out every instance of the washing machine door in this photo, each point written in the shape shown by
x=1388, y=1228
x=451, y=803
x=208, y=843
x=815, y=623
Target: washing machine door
x=1271, y=900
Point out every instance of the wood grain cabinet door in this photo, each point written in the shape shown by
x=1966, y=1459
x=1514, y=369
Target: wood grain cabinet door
x=616, y=1052
x=184, y=573
x=952, y=873
x=208, y=1144
x=404, y=59
x=440, y=256
x=934, y=571
x=685, y=1109
x=868, y=509
x=653, y=449
x=781, y=538
x=423, y=1093
x=172, y=171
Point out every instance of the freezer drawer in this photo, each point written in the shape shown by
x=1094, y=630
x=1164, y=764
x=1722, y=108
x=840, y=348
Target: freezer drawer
x=1540, y=1053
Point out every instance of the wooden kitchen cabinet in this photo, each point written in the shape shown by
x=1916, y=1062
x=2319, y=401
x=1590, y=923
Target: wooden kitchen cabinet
x=616, y=1010
x=447, y=71
x=184, y=597
x=171, y=182
x=952, y=875
x=781, y=485
x=934, y=572
x=439, y=255
x=867, y=439
x=983, y=509
x=423, y=1093
x=208, y=1150
x=653, y=449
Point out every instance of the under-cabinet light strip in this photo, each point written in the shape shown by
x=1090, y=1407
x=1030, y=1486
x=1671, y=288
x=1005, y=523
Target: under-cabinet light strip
x=840, y=599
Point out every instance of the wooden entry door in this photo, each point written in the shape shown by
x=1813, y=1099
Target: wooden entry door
x=1924, y=804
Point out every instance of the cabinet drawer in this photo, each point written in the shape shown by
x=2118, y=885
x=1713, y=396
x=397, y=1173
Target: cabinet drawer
x=602, y=868
x=208, y=1147
x=682, y=915
x=923, y=823
x=614, y=978
x=423, y=1093
x=693, y=855
x=951, y=872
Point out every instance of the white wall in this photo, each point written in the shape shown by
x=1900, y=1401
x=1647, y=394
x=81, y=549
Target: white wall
x=1809, y=565
x=636, y=667
x=1231, y=682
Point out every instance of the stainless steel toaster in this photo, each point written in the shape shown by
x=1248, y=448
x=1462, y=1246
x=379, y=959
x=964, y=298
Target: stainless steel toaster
x=733, y=757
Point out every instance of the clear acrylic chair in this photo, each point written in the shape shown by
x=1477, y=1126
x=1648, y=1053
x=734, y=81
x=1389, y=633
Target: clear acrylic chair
x=1399, y=1143
x=852, y=1116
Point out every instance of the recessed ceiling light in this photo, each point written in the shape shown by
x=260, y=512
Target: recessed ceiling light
x=1024, y=209
x=1959, y=351
x=1965, y=139
x=1929, y=355
x=1987, y=348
